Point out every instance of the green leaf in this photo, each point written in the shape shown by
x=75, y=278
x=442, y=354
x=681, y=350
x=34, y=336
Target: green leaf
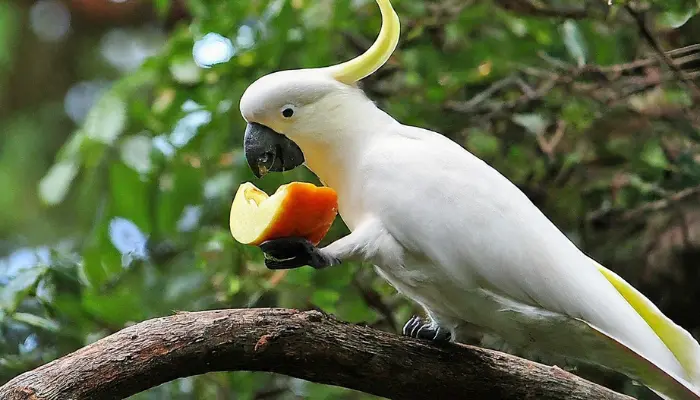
x=136, y=153
x=234, y=285
x=130, y=196
x=676, y=18
x=483, y=144
x=19, y=286
x=106, y=119
x=184, y=70
x=71, y=149
x=654, y=156
x=534, y=123
x=54, y=186
x=574, y=42
x=91, y=270
x=127, y=238
x=36, y=321
x=101, y=259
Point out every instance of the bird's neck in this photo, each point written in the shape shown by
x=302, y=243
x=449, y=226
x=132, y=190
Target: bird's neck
x=336, y=158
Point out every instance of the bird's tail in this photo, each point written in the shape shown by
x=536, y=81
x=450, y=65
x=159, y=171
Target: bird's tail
x=679, y=341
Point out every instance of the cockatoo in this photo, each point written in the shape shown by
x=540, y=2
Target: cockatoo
x=449, y=231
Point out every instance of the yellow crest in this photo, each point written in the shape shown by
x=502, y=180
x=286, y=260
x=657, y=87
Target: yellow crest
x=365, y=64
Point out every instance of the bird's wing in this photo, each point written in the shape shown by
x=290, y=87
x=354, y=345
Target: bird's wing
x=440, y=201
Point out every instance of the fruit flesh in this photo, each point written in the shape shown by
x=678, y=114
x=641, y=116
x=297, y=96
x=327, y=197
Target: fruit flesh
x=297, y=209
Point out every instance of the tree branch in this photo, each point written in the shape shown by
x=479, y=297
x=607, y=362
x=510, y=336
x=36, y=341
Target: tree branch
x=536, y=9
x=307, y=345
x=653, y=206
x=654, y=44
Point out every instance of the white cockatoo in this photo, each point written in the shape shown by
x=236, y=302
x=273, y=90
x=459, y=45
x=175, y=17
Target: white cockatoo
x=449, y=231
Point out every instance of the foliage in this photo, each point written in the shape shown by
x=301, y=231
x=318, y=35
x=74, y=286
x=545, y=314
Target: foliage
x=130, y=220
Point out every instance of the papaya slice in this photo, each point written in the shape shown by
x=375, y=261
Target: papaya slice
x=298, y=209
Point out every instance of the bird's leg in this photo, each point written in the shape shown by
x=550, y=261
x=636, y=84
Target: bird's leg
x=419, y=329
x=295, y=252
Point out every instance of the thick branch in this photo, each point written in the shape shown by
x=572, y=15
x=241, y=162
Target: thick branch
x=307, y=345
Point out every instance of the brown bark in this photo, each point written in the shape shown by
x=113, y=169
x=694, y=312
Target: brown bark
x=307, y=345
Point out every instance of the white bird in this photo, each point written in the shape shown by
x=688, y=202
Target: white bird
x=450, y=232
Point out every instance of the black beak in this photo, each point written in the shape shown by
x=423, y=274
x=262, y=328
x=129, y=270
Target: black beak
x=266, y=150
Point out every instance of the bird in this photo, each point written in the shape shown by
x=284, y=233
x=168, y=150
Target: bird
x=449, y=231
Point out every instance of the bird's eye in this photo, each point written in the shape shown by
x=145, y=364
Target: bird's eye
x=287, y=111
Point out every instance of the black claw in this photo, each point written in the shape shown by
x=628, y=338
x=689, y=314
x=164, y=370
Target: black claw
x=442, y=335
x=417, y=329
x=410, y=326
x=294, y=252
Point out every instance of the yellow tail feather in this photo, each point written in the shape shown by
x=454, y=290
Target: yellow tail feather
x=681, y=343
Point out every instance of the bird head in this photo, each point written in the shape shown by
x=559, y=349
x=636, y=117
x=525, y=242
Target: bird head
x=285, y=110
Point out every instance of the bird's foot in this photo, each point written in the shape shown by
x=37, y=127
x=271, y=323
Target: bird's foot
x=294, y=252
x=418, y=329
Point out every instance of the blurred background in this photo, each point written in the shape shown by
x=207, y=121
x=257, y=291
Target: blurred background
x=120, y=153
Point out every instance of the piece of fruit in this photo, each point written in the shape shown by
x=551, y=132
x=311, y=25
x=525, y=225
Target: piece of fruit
x=296, y=209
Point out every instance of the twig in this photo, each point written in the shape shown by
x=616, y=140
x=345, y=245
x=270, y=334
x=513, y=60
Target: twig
x=605, y=84
x=645, y=208
x=555, y=62
x=548, y=146
x=649, y=37
x=684, y=50
x=683, y=58
x=534, y=9
x=470, y=105
x=527, y=89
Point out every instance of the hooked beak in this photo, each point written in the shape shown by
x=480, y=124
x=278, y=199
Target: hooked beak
x=266, y=150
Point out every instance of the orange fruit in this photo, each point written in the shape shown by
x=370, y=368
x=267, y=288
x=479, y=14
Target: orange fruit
x=296, y=209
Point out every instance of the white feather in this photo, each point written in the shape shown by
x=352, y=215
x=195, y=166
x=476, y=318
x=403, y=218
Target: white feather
x=477, y=250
